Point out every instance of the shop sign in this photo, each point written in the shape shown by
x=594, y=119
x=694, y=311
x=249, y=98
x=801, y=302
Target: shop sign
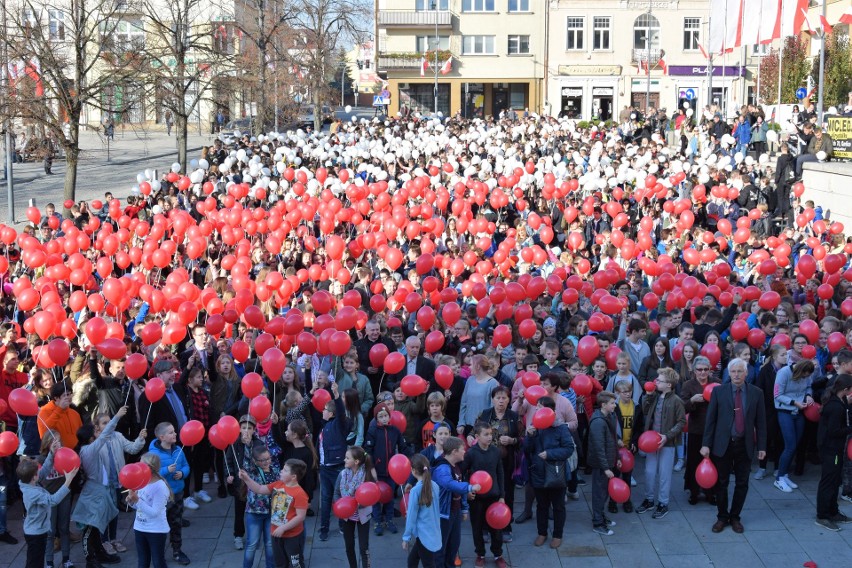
x=589, y=70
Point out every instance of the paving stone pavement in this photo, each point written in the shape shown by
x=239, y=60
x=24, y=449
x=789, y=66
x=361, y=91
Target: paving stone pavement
x=780, y=533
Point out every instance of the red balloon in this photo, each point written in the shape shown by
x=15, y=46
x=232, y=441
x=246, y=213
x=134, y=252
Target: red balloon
x=582, y=385
x=649, y=387
x=229, y=429
x=215, y=439
x=191, y=433
x=378, y=353
x=385, y=492
x=533, y=393
x=619, y=490
x=135, y=365
x=706, y=474
x=367, y=494
x=756, y=338
x=134, y=476
x=112, y=348
x=23, y=402
x=399, y=468
x=649, y=441
x=543, y=418
x=444, y=376
x=812, y=411
x=273, y=363
x=398, y=420
x=836, y=341
x=320, y=399
x=627, y=460
x=155, y=389
x=8, y=444
x=413, y=385
x=708, y=390
x=345, y=507
x=498, y=516
x=58, y=351
x=394, y=363
x=530, y=379
x=260, y=407
x=483, y=479
x=588, y=350
x=64, y=460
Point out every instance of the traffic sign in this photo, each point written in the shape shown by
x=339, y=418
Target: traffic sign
x=801, y=93
x=690, y=94
x=378, y=101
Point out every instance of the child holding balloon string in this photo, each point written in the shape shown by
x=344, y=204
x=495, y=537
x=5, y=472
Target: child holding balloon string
x=151, y=525
x=60, y=514
x=383, y=441
x=357, y=469
x=423, y=518
x=301, y=447
x=242, y=451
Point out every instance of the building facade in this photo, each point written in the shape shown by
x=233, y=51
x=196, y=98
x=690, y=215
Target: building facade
x=473, y=57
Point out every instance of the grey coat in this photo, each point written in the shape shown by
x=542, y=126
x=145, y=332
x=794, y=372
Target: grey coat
x=97, y=503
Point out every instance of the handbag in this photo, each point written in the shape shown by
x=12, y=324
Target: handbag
x=554, y=474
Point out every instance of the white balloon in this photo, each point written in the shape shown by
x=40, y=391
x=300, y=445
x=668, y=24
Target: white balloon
x=771, y=135
x=348, y=109
x=821, y=155
x=140, y=177
x=203, y=164
x=176, y=168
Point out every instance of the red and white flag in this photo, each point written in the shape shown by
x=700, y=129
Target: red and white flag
x=33, y=71
x=826, y=27
x=424, y=65
x=703, y=51
x=640, y=68
x=846, y=18
x=447, y=66
x=808, y=21
x=662, y=63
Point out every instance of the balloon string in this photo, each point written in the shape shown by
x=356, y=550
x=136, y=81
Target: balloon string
x=236, y=459
x=227, y=469
x=148, y=416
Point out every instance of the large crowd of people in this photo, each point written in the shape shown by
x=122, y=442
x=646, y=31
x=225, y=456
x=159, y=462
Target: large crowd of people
x=408, y=322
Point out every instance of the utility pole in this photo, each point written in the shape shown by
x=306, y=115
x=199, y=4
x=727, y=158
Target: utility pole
x=7, y=127
x=437, y=45
x=648, y=60
x=821, y=92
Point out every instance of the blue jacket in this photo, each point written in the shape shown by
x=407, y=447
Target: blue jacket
x=556, y=441
x=382, y=443
x=333, y=436
x=743, y=133
x=167, y=458
x=450, y=484
x=423, y=523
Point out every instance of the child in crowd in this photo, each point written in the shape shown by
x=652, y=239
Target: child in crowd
x=264, y=470
x=384, y=441
x=332, y=444
x=412, y=408
x=485, y=456
x=174, y=469
x=603, y=458
x=630, y=421
x=151, y=525
x=289, y=508
x=38, y=503
x=60, y=516
x=240, y=458
x=453, y=498
x=358, y=468
x=423, y=519
x=436, y=403
x=301, y=447
x=622, y=374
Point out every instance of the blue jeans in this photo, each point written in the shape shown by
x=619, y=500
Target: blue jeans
x=328, y=477
x=150, y=549
x=257, y=527
x=451, y=537
x=792, y=427
x=60, y=525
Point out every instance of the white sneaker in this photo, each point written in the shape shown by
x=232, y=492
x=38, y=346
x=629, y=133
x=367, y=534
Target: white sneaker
x=238, y=542
x=205, y=478
x=781, y=484
x=761, y=473
x=790, y=483
x=575, y=496
x=679, y=465
x=190, y=503
x=204, y=496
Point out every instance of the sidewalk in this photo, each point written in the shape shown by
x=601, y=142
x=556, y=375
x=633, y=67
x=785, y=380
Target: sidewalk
x=103, y=167
x=779, y=533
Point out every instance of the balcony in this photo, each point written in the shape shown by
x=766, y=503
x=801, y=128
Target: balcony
x=642, y=55
x=412, y=60
x=415, y=18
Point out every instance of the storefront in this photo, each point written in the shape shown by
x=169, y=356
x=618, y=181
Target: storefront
x=480, y=99
x=585, y=91
x=420, y=97
x=645, y=93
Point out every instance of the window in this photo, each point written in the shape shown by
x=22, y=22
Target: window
x=519, y=44
x=760, y=49
x=478, y=5
x=424, y=5
x=691, y=33
x=129, y=35
x=645, y=28
x=519, y=5
x=478, y=45
x=427, y=43
x=601, y=29
x=574, y=33
x=56, y=24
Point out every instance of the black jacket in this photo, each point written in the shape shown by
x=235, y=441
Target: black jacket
x=603, y=441
x=834, y=427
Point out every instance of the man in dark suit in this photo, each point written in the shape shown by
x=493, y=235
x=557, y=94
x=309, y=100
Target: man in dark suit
x=202, y=345
x=736, y=421
x=171, y=408
x=415, y=364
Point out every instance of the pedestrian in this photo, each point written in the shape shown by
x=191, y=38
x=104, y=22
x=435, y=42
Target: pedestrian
x=151, y=525
x=169, y=119
x=735, y=428
x=452, y=496
x=835, y=426
x=793, y=393
x=174, y=468
x=422, y=533
x=357, y=469
x=332, y=444
x=664, y=414
x=603, y=458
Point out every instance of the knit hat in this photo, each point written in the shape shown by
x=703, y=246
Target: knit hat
x=379, y=407
x=549, y=322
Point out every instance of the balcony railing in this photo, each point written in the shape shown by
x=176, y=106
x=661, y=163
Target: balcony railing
x=643, y=55
x=415, y=18
x=412, y=60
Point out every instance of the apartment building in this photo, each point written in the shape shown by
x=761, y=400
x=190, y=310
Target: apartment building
x=474, y=57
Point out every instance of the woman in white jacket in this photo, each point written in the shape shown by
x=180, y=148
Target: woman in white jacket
x=151, y=527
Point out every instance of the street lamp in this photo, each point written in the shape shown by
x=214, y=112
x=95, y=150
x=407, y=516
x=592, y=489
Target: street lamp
x=648, y=39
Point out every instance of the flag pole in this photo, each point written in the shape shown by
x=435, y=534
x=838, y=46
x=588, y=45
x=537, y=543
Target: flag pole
x=821, y=93
x=780, y=63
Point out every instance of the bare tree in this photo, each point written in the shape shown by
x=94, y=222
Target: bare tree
x=59, y=68
x=328, y=24
x=182, y=59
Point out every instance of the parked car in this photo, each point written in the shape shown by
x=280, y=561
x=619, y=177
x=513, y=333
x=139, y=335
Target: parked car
x=242, y=124
x=306, y=115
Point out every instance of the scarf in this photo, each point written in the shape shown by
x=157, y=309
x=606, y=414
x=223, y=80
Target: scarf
x=263, y=428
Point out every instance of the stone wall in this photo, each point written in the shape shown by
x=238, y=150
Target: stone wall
x=829, y=185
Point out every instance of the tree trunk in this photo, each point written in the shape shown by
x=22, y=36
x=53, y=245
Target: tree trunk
x=72, y=158
x=182, y=131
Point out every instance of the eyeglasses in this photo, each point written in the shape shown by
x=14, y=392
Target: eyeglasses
x=702, y=370
x=264, y=460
